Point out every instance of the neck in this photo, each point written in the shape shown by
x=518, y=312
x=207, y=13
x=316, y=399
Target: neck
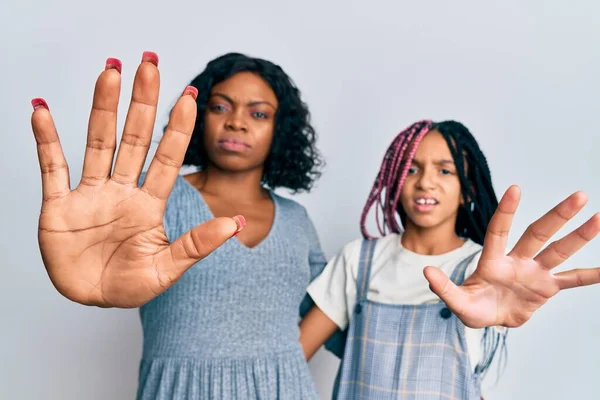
x=431, y=241
x=242, y=186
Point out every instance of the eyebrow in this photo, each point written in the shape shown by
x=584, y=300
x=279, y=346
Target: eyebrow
x=250, y=104
x=437, y=162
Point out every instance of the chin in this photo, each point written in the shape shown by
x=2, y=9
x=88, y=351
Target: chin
x=425, y=221
x=232, y=163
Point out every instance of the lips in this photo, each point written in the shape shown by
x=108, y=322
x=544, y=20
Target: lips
x=425, y=204
x=233, y=145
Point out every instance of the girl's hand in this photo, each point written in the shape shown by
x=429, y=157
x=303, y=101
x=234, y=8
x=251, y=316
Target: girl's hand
x=506, y=289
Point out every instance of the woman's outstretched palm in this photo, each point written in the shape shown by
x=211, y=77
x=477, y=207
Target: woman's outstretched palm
x=104, y=243
x=506, y=289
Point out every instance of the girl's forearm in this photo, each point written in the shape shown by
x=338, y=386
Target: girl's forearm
x=315, y=329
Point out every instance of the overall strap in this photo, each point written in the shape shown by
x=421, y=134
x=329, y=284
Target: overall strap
x=364, y=268
x=458, y=275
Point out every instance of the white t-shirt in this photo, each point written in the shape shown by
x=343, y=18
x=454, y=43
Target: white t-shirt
x=396, y=278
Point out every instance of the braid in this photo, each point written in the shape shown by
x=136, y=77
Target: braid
x=391, y=179
x=476, y=181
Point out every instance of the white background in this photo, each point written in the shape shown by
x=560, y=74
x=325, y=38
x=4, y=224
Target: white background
x=523, y=76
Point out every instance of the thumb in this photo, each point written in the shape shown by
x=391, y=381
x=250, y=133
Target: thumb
x=445, y=289
x=200, y=241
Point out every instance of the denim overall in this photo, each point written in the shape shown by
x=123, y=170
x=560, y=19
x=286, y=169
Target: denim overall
x=404, y=351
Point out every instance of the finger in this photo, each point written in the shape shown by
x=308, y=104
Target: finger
x=539, y=232
x=446, y=290
x=139, y=123
x=496, y=235
x=170, y=153
x=559, y=251
x=102, y=127
x=197, y=244
x=53, y=166
x=578, y=278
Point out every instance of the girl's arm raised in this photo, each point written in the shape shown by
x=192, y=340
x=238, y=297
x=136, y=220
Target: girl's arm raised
x=507, y=289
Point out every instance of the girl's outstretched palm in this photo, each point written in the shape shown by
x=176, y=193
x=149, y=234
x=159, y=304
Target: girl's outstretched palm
x=506, y=289
x=104, y=243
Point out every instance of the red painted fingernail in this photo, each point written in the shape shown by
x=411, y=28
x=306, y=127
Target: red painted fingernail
x=150, y=56
x=240, y=221
x=192, y=91
x=113, y=63
x=39, y=102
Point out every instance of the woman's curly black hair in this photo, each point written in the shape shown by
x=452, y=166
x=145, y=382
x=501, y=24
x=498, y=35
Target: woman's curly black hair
x=293, y=161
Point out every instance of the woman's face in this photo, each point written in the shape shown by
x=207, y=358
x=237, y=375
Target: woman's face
x=240, y=122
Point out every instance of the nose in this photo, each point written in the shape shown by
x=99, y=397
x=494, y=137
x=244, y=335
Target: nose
x=427, y=180
x=236, y=122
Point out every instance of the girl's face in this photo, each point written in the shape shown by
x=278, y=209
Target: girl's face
x=431, y=195
x=239, y=122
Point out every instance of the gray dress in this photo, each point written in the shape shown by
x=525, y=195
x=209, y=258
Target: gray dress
x=228, y=329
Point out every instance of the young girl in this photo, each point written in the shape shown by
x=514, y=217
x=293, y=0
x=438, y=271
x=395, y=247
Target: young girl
x=402, y=342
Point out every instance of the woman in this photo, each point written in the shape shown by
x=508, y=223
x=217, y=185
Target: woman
x=228, y=328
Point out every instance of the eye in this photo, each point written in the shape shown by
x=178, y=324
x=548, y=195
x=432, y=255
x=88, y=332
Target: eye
x=259, y=115
x=412, y=170
x=446, y=172
x=218, y=108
